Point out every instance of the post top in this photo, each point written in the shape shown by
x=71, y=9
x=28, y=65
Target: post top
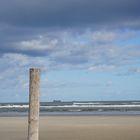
x=34, y=69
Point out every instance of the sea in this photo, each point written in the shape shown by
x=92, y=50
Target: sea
x=74, y=108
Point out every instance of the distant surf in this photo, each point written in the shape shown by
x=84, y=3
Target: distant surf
x=76, y=108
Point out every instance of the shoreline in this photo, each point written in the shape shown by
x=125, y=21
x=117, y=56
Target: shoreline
x=90, y=113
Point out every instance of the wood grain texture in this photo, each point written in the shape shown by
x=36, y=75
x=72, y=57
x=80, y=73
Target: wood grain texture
x=34, y=93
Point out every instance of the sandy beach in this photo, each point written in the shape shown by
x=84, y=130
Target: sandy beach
x=74, y=128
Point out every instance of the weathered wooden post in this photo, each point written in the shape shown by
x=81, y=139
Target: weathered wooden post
x=34, y=104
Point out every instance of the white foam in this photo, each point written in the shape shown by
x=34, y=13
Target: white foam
x=75, y=106
x=92, y=106
x=15, y=106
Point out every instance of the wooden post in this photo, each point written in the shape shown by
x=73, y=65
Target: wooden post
x=34, y=104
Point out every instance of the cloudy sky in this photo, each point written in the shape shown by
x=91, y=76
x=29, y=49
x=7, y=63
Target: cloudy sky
x=86, y=49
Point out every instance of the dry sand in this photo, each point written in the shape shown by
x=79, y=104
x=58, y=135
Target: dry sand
x=74, y=128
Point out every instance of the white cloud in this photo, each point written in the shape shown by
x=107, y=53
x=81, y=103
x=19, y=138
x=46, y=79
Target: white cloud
x=101, y=68
x=16, y=59
x=16, y=66
x=104, y=36
x=37, y=45
x=110, y=36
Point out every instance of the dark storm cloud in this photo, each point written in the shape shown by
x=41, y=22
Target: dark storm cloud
x=65, y=13
x=22, y=20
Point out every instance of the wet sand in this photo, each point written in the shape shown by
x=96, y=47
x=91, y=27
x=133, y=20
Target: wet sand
x=74, y=128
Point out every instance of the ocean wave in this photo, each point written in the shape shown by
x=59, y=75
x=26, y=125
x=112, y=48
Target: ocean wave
x=75, y=106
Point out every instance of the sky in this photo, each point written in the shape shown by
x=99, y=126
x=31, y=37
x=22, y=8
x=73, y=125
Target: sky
x=87, y=50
